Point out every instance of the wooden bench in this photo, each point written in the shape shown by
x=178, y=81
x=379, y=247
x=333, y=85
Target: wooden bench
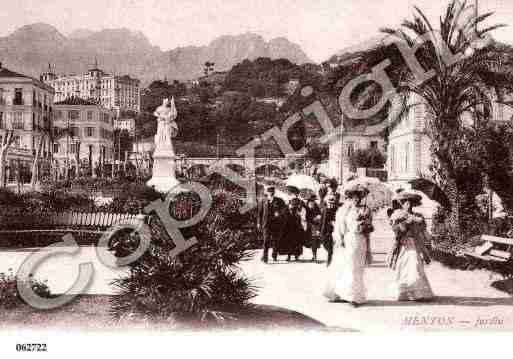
x=493, y=250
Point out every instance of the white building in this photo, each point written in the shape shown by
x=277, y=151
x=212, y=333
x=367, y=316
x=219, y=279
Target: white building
x=119, y=93
x=408, y=149
x=346, y=142
x=127, y=124
x=26, y=106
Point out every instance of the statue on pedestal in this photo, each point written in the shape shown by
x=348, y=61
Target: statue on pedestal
x=167, y=128
x=164, y=165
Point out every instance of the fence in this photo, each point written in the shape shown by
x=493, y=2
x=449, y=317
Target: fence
x=100, y=220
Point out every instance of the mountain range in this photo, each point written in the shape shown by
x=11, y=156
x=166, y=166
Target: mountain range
x=31, y=48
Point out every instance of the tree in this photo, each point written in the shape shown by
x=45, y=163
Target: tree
x=460, y=88
x=208, y=68
x=36, y=163
x=367, y=158
x=6, y=141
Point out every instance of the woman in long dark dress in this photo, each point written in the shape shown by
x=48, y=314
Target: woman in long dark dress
x=313, y=217
x=292, y=236
x=328, y=214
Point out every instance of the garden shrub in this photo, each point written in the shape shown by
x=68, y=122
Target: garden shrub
x=202, y=284
x=9, y=296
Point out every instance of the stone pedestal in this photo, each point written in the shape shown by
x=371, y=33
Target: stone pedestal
x=164, y=171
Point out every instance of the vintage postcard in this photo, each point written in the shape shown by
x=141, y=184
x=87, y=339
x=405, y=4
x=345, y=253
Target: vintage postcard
x=327, y=167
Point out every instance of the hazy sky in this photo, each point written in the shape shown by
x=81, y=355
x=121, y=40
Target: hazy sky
x=321, y=27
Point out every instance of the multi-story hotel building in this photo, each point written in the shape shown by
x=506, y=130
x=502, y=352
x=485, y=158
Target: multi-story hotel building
x=83, y=131
x=409, y=152
x=26, y=106
x=119, y=93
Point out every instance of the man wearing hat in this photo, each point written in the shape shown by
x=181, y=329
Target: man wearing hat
x=328, y=213
x=323, y=189
x=268, y=221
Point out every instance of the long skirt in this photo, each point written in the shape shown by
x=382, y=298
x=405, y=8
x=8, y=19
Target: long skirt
x=411, y=280
x=345, y=274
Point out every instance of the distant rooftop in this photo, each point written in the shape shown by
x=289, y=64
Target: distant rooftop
x=6, y=73
x=76, y=101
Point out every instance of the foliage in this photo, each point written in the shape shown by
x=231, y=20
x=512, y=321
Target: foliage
x=264, y=77
x=9, y=296
x=203, y=283
x=459, y=90
x=367, y=158
x=316, y=152
x=152, y=96
x=122, y=144
x=495, y=147
x=40, y=203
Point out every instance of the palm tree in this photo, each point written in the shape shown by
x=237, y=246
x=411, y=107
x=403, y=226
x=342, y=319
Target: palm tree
x=464, y=88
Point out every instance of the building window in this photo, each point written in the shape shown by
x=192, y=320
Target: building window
x=18, y=97
x=2, y=98
x=89, y=115
x=58, y=114
x=350, y=150
x=2, y=124
x=374, y=144
x=74, y=131
x=73, y=115
x=406, y=156
x=17, y=141
x=55, y=148
x=392, y=158
x=17, y=122
x=89, y=131
x=74, y=147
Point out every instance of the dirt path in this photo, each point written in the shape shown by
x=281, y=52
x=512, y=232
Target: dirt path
x=465, y=300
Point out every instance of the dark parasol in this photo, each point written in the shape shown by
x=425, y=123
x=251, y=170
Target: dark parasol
x=431, y=190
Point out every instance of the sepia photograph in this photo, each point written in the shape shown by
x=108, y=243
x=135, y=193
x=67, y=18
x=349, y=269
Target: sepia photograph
x=236, y=168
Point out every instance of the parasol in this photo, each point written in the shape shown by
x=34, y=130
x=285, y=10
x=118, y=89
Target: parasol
x=303, y=181
x=379, y=194
x=432, y=191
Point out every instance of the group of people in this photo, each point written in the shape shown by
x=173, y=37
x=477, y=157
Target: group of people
x=344, y=229
x=286, y=229
x=353, y=225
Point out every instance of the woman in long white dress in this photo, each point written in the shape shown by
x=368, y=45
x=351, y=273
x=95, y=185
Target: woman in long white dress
x=409, y=253
x=353, y=225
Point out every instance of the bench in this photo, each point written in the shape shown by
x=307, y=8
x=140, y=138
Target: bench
x=494, y=250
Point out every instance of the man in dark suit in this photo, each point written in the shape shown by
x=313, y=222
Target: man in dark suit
x=269, y=221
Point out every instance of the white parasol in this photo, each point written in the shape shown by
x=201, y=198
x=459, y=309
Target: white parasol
x=303, y=182
x=379, y=196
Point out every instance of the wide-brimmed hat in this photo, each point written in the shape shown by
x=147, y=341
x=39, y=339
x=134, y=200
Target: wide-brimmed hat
x=270, y=189
x=312, y=197
x=331, y=198
x=293, y=190
x=356, y=190
x=413, y=198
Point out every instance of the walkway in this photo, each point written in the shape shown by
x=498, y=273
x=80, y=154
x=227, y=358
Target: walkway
x=466, y=299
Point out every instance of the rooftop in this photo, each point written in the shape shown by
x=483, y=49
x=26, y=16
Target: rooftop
x=6, y=73
x=76, y=101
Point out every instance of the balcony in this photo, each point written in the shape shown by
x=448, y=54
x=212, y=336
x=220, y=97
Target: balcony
x=16, y=151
